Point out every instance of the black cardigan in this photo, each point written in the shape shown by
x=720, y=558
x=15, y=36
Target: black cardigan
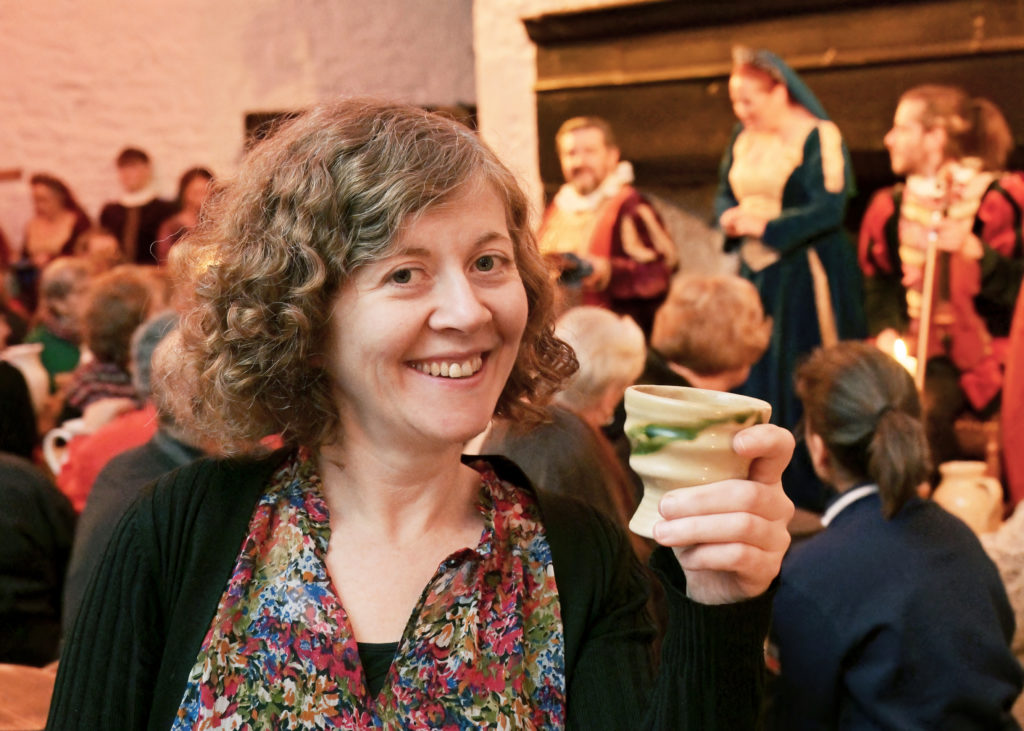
x=149, y=606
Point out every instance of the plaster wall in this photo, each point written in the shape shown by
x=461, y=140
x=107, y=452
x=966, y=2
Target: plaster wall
x=80, y=79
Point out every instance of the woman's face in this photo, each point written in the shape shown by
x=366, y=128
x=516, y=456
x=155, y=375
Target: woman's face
x=195, y=193
x=758, y=104
x=423, y=340
x=46, y=201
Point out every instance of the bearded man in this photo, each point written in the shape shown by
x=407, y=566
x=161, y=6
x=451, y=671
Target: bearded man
x=608, y=243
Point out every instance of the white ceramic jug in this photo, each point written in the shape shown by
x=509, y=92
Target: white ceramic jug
x=971, y=495
x=56, y=441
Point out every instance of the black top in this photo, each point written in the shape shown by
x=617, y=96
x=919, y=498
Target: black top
x=376, y=658
x=144, y=617
x=114, y=218
x=17, y=417
x=36, y=526
x=117, y=486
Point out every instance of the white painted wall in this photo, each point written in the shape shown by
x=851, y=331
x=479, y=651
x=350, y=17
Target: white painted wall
x=80, y=79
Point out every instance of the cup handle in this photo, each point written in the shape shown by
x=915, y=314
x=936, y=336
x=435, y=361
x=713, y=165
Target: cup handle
x=55, y=454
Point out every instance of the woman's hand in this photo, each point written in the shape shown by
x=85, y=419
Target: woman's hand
x=736, y=222
x=730, y=536
x=728, y=220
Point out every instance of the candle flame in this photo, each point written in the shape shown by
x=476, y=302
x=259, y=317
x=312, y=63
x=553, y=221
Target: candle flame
x=899, y=352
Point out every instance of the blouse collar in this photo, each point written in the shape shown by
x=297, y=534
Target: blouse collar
x=845, y=500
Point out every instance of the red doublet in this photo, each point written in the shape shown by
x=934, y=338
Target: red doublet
x=887, y=249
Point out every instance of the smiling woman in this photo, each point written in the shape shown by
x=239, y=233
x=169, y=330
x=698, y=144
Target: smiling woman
x=368, y=291
x=327, y=199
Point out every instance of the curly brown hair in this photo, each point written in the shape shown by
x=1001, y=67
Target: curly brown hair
x=325, y=194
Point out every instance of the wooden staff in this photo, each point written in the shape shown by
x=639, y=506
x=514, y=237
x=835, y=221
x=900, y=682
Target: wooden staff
x=925, y=321
x=928, y=286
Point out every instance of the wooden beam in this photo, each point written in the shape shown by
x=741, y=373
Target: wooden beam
x=830, y=59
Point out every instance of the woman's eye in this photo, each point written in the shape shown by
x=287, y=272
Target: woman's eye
x=485, y=263
x=401, y=276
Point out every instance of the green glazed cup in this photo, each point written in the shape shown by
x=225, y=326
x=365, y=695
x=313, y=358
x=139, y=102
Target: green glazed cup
x=680, y=437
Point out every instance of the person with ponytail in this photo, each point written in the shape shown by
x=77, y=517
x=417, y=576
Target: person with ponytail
x=892, y=617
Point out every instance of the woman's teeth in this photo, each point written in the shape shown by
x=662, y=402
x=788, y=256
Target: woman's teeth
x=463, y=369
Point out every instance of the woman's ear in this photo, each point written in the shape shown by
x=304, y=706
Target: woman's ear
x=819, y=455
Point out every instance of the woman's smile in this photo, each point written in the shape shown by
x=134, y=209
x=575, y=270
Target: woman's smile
x=450, y=368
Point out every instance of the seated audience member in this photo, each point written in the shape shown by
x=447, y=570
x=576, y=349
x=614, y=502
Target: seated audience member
x=193, y=189
x=100, y=249
x=117, y=303
x=37, y=524
x=136, y=216
x=18, y=430
x=892, y=617
x=569, y=454
x=57, y=221
x=610, y=349
x=87, y=455
x=708, y=333
x=565, y=455
x=126, y=474
x=58, y=321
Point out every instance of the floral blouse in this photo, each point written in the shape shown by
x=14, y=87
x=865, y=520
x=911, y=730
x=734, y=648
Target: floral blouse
x=484, y=647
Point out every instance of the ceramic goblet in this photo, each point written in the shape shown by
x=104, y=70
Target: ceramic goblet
x=680, y=437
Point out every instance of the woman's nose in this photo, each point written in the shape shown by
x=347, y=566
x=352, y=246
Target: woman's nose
x=459, y=305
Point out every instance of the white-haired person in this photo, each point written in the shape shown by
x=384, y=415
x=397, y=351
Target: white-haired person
x=610, y=349
x=568, y=453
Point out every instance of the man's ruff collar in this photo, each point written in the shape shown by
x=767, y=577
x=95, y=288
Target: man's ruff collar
x=138, y=198
x=569, y=200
